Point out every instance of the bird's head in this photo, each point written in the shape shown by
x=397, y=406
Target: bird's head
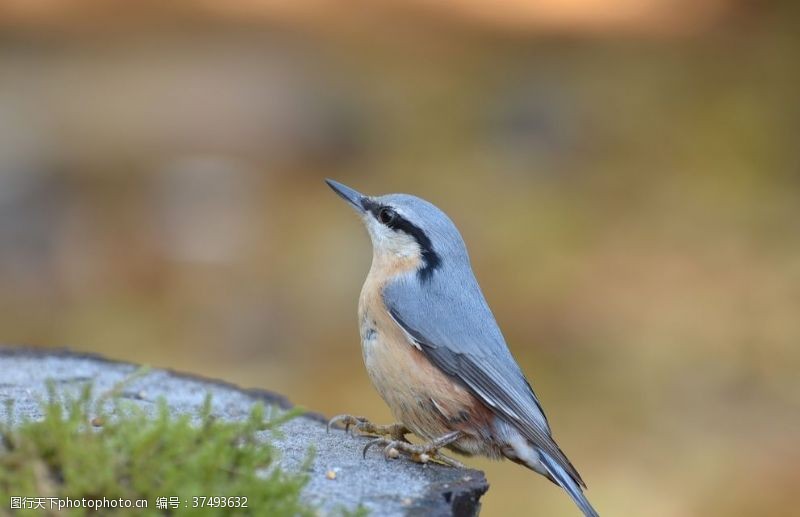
x=407, y=232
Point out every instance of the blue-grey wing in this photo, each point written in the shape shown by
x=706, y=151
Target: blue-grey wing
x=450, y=320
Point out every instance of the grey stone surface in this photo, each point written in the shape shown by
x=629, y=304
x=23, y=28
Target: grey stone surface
x=397, y=487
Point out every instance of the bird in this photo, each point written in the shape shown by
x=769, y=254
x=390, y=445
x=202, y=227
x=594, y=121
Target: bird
x=435, y=353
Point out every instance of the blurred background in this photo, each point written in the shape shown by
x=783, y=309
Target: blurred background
x=626, y=174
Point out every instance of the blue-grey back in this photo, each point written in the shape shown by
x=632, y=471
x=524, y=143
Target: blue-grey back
x=448, y=312
x=443, y=309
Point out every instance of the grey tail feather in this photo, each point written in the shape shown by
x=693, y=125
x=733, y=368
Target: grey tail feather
x=567, y=483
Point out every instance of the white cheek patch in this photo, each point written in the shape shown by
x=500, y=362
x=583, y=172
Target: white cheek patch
x=388, y=241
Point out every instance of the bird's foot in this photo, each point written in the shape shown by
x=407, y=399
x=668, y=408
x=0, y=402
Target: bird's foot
x=398, y=432
x=422, y=453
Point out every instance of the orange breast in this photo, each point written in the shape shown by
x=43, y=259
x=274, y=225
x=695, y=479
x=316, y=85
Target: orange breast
x=422, y=397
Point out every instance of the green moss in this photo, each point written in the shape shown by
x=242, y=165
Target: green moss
x=78, y=451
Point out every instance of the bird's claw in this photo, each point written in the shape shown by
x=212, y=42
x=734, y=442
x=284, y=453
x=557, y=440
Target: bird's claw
x=396, y=443
x=347, y=420
x=417, y=453
x=365, y=427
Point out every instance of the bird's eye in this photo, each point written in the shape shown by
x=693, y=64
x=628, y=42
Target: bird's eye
x=386, y=215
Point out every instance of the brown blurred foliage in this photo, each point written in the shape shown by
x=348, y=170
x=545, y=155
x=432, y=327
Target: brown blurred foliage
x=629, y=192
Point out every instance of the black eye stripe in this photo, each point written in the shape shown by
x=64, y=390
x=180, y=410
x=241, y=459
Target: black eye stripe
x=432, y=261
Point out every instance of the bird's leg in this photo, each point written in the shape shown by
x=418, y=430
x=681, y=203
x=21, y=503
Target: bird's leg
x=420, y=453
x=398, y=431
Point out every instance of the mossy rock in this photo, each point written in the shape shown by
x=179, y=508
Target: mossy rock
x=160, y=434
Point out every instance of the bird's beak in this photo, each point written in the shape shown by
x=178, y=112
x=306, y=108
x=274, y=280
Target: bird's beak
x=351, y=196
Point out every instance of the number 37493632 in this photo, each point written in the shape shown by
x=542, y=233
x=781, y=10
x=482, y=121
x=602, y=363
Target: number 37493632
x=219, y=502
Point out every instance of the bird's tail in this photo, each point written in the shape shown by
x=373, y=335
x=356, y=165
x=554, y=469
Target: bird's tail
x=566, y=482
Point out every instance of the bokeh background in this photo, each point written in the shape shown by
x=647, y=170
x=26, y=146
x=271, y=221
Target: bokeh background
x=626, y=174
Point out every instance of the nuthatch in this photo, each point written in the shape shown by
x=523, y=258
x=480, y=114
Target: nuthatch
x=434, y=352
